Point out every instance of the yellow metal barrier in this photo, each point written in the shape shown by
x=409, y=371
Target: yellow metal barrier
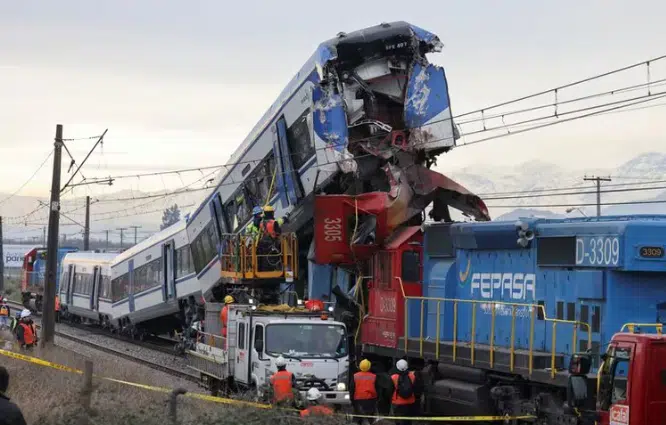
x=248, y=257
x=494, y=305
x=631, y=327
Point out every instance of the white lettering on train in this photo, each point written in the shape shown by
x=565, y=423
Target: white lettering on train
x=333, y=229
x=517, y=286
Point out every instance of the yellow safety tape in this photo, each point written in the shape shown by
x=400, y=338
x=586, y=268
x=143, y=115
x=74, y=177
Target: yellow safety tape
x=199, y=396
x=207, y=397
x=447, y=418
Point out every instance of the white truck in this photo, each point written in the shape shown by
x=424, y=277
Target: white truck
x=314, y=345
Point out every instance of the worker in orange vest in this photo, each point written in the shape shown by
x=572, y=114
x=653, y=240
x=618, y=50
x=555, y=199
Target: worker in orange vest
x=283, y=383
x=26, y=332
x=270, y=226
x=314, y=408
x=363, y=391
x=224, y=314
x=406, y=392
x=57, y=308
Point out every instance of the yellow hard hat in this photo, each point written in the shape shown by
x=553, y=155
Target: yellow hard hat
x=228, y=299
x=365, y=365
x=268, y=208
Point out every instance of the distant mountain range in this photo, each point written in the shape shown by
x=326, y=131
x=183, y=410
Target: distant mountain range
x=529, y=188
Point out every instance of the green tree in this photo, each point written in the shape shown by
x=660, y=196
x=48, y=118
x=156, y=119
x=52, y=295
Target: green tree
x=170, y=216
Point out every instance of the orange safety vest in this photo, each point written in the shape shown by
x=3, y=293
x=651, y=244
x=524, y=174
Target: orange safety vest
x=223, y=318
x=4, y=310
x=397, y=400
x=316, y=411
x=57, y=303
x=28, y=334
x=282, y=389
x=364, y=386
x=269, y=227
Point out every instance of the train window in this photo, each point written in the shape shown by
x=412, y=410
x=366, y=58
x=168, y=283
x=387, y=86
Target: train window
x=120, y=288
x=205, y=247
x=540, y=311
x=410, y=269
x=385, y=268
x=585, y=313
x=246, y=170
x=183, y=262
x=148, y=276
x=299, y=140
x=596, y=318
x=571, y=311
x=560, y=310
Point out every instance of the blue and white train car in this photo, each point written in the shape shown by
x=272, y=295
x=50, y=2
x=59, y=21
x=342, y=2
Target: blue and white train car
x=366, y=112
x=86, y=286
x=151, y=282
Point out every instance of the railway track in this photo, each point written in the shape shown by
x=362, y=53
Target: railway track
x=162, y=347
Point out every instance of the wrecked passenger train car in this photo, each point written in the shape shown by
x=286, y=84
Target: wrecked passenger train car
x=366, y=113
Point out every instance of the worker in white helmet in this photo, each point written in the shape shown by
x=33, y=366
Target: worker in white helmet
x=406, y=392
x=283, y=383
x=26, y=334
x=5, y=313
x=314, y=408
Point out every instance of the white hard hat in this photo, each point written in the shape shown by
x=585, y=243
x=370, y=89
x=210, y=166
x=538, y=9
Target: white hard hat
x=313, y=394
x=280, y=362
x=25, y=313
x=402, y=365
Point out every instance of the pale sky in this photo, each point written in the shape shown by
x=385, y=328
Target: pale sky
x=180, y=84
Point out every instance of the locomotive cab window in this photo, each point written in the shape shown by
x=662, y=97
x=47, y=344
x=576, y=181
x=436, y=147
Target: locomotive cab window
x=410, y=267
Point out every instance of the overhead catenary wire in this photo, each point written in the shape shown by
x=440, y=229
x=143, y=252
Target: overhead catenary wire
x=17, y=191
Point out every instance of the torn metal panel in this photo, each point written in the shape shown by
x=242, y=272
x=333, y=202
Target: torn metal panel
x=330, y=124
x=431, y=186
x=427, y=109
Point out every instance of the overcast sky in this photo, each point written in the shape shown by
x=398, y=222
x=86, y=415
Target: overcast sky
x=180, y=84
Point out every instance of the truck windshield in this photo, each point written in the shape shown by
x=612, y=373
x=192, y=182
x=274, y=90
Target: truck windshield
x=306, y=340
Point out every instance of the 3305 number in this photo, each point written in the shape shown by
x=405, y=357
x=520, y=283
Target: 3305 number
x=333, y=229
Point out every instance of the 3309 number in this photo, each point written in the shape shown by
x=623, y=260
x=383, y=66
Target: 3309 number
x=333, y=229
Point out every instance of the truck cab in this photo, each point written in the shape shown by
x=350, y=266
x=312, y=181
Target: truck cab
x=314, y=345
x=631, y=382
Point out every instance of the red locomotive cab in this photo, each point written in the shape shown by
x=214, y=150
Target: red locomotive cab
x=396, y=271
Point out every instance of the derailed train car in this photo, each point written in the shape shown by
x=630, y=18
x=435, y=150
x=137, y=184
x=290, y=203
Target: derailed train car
x=492, y=313
x=144, y=290
x=367, y=112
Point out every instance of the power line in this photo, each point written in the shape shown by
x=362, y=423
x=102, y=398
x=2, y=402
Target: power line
x=29, y=179
x=586, y=204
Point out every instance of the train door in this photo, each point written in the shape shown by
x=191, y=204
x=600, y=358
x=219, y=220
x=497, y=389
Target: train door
x=242, y=357
x=130, y=295
x=288, y=180
x=168, y=270
x=70, y=284
x=94, y=294
x=590, y=312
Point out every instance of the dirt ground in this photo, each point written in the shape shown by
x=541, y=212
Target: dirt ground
x=54, y=397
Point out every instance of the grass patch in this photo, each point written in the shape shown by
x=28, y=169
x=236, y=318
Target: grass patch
x=53, y=397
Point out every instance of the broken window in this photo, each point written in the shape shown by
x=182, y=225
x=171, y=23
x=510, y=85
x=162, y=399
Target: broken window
x=301, y=146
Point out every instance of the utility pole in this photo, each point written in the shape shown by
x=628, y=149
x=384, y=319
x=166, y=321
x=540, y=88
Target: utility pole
x=86, y=230
x=135, y=228
x=122, y=229
x=107, y=241
x=43, y=236
x=48, y=311
x=2, y=260
x=598, y=180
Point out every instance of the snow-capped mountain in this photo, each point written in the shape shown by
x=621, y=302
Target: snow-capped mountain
x=543, y=189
